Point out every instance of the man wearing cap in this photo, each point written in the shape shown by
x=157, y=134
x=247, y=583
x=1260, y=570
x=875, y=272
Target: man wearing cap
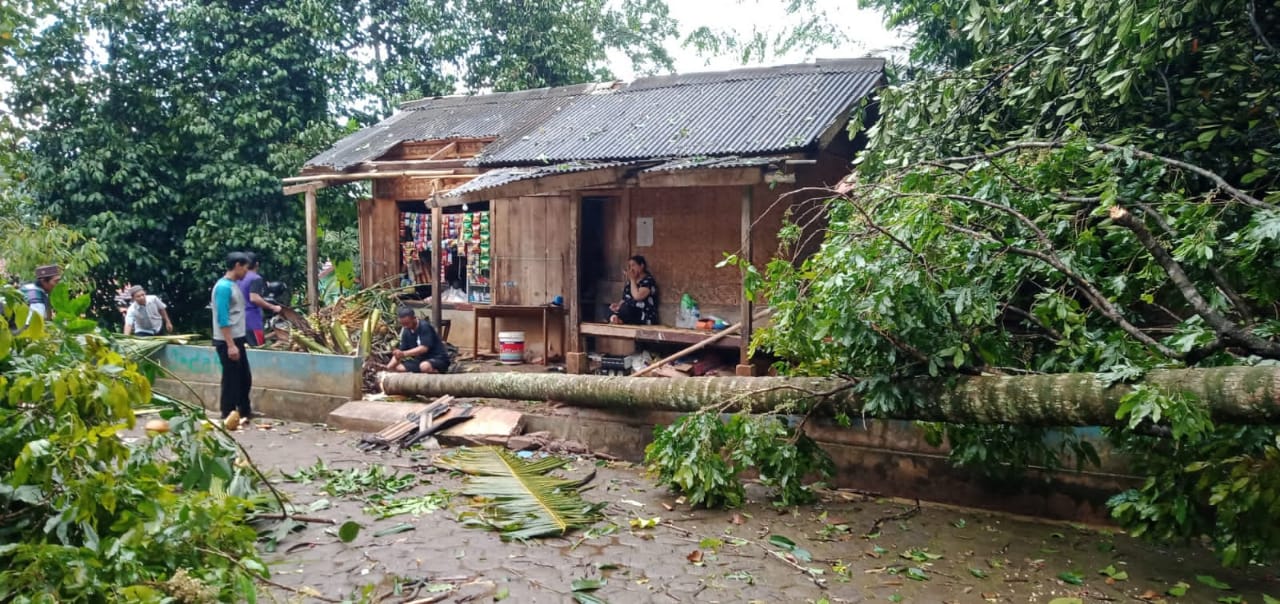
x=229, y=338
x=37, y=292
x=146, y=316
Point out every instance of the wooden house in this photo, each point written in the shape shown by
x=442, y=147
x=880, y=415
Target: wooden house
x=544, y=194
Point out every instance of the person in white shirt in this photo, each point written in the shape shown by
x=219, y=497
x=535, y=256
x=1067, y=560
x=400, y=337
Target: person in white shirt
x=147, y=315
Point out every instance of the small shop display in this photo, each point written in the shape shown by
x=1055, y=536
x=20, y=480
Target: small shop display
x=463, y=260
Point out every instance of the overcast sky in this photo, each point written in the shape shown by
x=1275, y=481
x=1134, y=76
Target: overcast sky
x=864, y=28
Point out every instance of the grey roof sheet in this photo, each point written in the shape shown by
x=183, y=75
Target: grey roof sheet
x=484, y=116
x=702, y=163
x=743, y=112
x=504, y=176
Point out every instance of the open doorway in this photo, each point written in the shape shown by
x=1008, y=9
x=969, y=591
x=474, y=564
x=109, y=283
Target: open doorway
x=594, y=267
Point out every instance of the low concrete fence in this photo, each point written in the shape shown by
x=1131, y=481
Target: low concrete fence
x=287, y=385
x=890, y=457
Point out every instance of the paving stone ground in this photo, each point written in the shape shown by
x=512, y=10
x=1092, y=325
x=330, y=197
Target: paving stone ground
x=959, y=555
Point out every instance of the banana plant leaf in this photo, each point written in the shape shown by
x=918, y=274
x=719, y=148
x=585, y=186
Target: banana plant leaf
x=518, y=498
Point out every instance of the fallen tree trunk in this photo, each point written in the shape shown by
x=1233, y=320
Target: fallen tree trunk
x=1234, y=395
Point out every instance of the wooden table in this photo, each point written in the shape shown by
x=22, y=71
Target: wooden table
x=495, y=311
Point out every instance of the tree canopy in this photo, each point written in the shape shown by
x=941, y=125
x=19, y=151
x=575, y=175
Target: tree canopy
x=162, y=129
x=1065, y=187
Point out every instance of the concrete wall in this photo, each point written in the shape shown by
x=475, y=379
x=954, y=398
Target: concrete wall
x=883, y=456
x=287, y=385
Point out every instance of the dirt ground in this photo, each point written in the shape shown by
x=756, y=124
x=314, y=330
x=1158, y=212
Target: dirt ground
x=935, y=554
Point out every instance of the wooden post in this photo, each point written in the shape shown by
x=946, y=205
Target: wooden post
x=744, y=355
x=575, y=357
x=437, y=280
x=313, y=252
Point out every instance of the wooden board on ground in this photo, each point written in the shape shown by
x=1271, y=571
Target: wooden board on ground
x=486, y=421
x=371, y=416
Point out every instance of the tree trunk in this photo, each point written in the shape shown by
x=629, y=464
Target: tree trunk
x=1234, y=395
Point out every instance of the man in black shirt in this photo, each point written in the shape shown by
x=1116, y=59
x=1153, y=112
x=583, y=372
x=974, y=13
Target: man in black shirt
x=421, y=350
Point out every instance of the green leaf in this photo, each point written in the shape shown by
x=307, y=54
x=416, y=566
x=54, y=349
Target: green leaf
x=588, y=584
x=978, y=572
x=348, y=531
x=502, y=594
x=1073, y=578
x=582, y=597
x=1269, y=600
x=917, y=574
x=525, y=501
x=1179, y=589
x=1212, y=581
x=782, y=542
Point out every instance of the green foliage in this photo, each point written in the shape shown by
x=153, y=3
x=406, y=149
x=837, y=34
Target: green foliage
x=517, y=498
x=703, y=456
x=84, y=514
x=1064, y=187
x=163, y=128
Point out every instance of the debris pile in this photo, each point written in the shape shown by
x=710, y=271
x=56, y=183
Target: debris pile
x=441, y=414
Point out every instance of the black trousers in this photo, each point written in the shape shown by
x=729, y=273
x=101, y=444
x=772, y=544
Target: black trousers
x=236, y=379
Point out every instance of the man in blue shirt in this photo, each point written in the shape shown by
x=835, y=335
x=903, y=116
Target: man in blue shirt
x=228, y=305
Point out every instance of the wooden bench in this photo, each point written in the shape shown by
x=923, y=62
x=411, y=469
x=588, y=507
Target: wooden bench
x=657, y=333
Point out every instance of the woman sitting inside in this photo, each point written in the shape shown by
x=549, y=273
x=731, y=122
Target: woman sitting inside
x=639, y=304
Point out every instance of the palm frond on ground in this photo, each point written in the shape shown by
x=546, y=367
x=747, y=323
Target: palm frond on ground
x=518, y=498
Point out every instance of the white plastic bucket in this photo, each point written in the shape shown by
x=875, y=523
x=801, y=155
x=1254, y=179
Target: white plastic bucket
x=511, y=347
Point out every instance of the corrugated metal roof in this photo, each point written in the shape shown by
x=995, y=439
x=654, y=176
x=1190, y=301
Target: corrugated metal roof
x=484, y=116
x=703, y=163
x=504, y=176
x=744, y=112
x=741, y=112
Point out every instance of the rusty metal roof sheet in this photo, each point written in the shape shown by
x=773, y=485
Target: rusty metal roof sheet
x=743, y=112
x=483, y=116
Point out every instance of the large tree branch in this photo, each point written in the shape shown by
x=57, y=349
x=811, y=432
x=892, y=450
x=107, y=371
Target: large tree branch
x=1213, y=177
x=1220, y=280
x=1230, y=333
x=1096, y=298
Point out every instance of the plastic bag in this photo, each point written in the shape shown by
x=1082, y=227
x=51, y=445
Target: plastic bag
x=688, y=316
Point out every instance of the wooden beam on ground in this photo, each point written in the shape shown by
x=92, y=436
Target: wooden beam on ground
x=744, y=351
x=552, y=183
x=313, y=252
x=703, y=177
x=722, y=334
x=303, y=188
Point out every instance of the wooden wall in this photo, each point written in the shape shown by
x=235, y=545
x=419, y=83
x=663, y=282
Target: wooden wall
x=378, y=223
x=530, y=239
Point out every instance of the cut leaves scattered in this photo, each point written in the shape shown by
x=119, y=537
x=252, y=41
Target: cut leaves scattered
x=518, y=498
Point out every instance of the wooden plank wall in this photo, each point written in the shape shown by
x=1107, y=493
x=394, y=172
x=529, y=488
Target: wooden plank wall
x=378, y=223
x=530, y=239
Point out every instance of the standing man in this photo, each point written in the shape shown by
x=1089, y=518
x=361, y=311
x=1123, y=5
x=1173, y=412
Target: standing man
x=252, y=287
x=37, y=292
x=229, y=341
x=421, y=350
x=146, y=316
